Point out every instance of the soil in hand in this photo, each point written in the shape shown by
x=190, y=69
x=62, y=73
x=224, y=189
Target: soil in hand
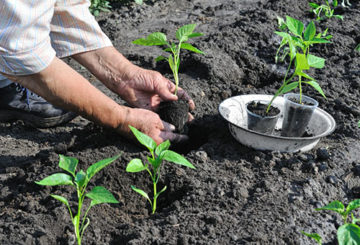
x=175, y=113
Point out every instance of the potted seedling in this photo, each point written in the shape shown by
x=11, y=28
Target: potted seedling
x=174, y=112
x=261, y=117
x=296, y=42
x=159, y=153
x=79, y=180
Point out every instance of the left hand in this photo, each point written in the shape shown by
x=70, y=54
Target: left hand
x=147, y=88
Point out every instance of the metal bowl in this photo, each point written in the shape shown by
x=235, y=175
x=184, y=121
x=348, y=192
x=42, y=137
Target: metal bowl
x=233, y=110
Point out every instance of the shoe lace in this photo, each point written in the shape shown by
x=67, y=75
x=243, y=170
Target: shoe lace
x=27, y=92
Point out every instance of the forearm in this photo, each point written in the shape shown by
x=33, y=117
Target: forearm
x=63, y=87
x=108, y=65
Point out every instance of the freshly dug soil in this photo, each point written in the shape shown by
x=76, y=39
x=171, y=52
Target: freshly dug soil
x=236, y=195
x=175, y=113
x=260, y=109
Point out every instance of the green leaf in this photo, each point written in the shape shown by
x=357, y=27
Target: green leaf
x=145, y=140
x=314, y=236
x=313, y=5
x=295, y=26
x=301, y=62
x=353, y=205
x=358, y=47
x=339, y=17
x=195, y=34
x=316, y=62
x=156, y=38
x=348, y=234
x=319, y=40
x=61, y=199
x=100, y=195
x=80, y=178
x=155, y=162
x=141, y=192
x=162, y=147
x=335, y=206
x=174, y=157
x=335, y=3
x=139, y=2
x=96, y=167
x=289, y=87
x=317, y=87
x=159, y=58
x=182, y=34
x=310, y=31
x=56, y=179
x=171, y=63
x=189, y=47
x=68, y=164
x=135, y=166
x=158, y=194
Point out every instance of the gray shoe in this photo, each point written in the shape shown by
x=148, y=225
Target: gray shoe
x=19, y=103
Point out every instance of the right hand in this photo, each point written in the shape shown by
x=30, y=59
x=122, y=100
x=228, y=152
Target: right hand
x=149, y=123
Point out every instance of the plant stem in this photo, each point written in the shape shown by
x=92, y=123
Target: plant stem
x=300, y=89
x=154, y=201
x=77, y=218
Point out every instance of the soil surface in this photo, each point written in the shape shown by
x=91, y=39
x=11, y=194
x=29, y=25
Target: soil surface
x=236, y=195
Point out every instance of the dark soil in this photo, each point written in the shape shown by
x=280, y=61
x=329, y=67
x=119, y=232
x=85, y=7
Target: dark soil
x=236, y=195
x=175, y=113
x=260, y=109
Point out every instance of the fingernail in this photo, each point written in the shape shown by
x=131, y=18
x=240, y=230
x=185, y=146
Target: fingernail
x=172, y=127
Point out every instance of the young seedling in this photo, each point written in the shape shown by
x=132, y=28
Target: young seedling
x=80, y=180
x=326, y=9
x=183, y=34
x=349, y=232
x=158, y=154
x=295, y=44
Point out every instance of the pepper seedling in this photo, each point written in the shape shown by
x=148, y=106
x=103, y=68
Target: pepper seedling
x=183, y=34
x=326, y=9
x=80, y=181
x=295, y=44
x=158, y=154
x=349, y=232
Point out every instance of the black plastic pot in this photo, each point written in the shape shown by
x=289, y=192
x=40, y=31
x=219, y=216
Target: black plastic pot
x=259, y=120
x=297, y=116
x=175, y=113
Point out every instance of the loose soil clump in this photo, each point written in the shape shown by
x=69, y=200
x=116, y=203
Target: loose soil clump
x=236, y=195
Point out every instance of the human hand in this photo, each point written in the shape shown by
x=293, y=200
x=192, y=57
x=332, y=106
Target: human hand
x=150, y=124
x=146, y=89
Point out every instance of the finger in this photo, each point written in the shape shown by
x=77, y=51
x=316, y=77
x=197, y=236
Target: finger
x=183, y=95
x=174, y=138
x=168, y=126
x=190, y=118
x=164, y=90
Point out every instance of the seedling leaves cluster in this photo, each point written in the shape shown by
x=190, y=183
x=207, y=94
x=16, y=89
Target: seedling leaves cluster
x=183, y=34
x=80, y=181
x=323, y=11
x=158, y=154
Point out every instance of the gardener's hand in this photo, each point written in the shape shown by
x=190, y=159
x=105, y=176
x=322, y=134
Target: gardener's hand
x=146, y=89
x=150, y=123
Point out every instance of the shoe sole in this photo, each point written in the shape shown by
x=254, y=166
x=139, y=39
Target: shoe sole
x=35, y=121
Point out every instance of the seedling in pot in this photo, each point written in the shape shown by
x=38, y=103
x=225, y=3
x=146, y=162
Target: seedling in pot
x=79, y=180
x=174, y=113
x=349, y=232
x=158, y=154
x=325, y=9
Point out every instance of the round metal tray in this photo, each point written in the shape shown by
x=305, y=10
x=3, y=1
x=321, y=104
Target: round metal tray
x=233, y=111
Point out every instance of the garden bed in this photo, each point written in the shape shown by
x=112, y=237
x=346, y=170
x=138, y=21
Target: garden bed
x=236, y=195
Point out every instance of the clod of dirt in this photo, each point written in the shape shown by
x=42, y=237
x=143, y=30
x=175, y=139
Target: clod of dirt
x=260, y=109
x=175, y=113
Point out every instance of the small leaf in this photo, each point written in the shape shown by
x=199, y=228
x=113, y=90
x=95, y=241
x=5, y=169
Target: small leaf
x=295, y=26
x=155, y=162
x=289, y=87
x=156, y=38
x=158, y=194
x=96, y=167
x=310, y=31
x=68, y=164
x=316, y=62
x=182, y=34
x=195, y=34
x=301, y=62
x=317, y=87
x=61, y=199
x=171, y=63
x=339, y=17
x=135, y=165
x=313, y=5
x=189, y=47
x=100, y=195
x=174, y=157
x=56, y=179
x=335, y=206
x=159, y=58
x=80, y=178
x=353, y=205
x=358, y=47
x=162, y=147
x=314, y=236
x=145, y=140
x=348, y=234
x=141, y=192
x=319, y=40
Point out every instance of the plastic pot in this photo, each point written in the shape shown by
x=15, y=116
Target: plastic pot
x=297, y=116
x=262, y=123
